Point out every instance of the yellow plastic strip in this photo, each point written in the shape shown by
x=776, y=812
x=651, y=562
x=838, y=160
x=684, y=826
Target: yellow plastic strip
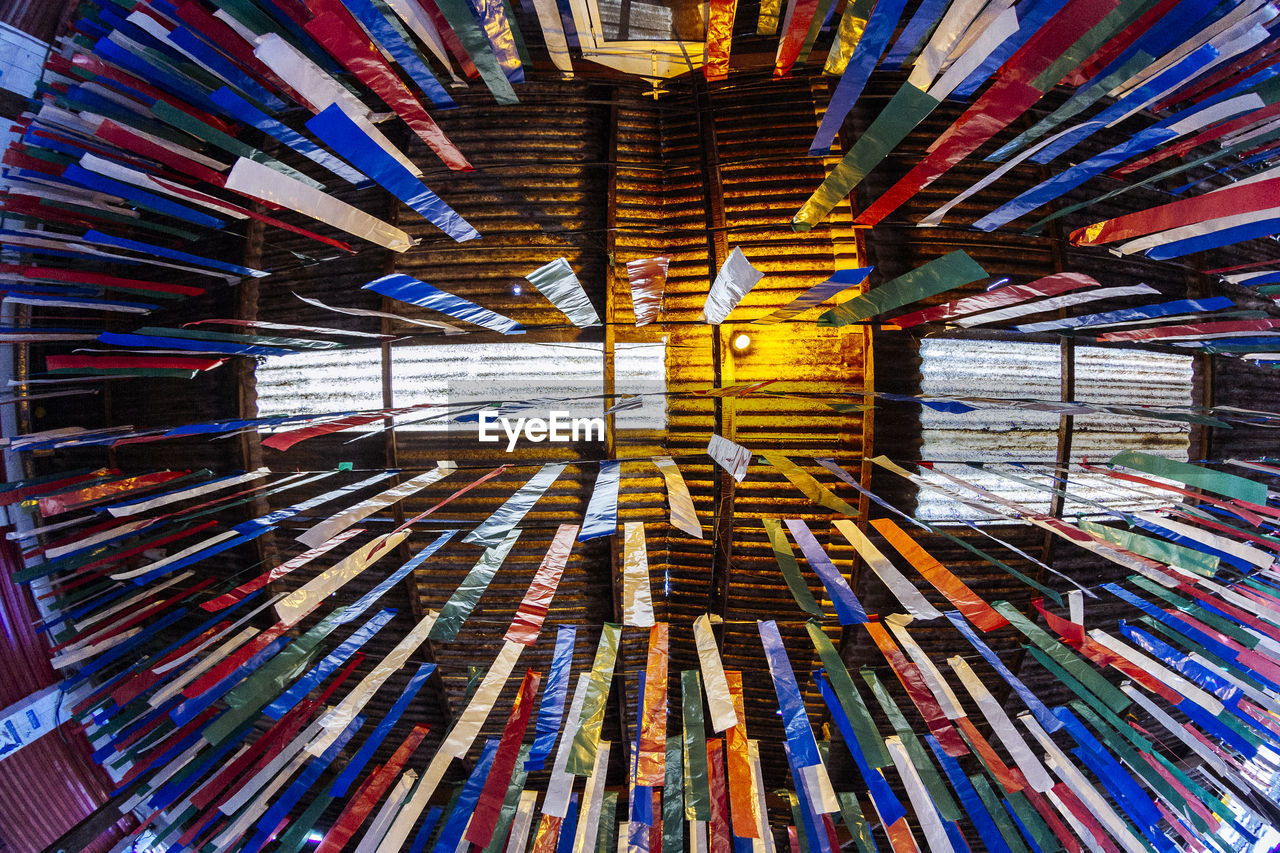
x=307, y=597
x=812, y=489
x=683, y=515
x=637, y=597
x=714, y=683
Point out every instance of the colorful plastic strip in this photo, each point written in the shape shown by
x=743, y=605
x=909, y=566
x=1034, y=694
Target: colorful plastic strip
x=946, y=273
x=736, y=277
x=405, y=289
x=840, y=281
x=552, y=705
x=498, y=526
x=637, y=597
x=455, y=611
x=532, y=611
x=601, y=518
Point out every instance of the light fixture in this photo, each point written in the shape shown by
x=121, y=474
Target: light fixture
x=741, y=342
x=517, y=289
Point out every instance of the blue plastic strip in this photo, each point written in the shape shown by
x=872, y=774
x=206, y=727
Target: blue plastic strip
x=241, y=110
x=336, y=658
x=848, y=608
x=795, y=720
x=345, y=137
x=405, y=289
x=1215, y=240
x=1042, y=714
x=1126, y=315
x=887, y=804
x=1032, y=15
x=187, y=711
x=213, y=61
x=880, y=27
x=1188, y=67
x=1187, y=542
x=1202, y=675
x=161, y=78
x=641, y=796
x=462, y=810
x=169, y=793
x=92, y=181
x=200, y=555
x=101, y=239
x=601, y=518
x=189, y=344
x=916, y=31
x=309, y=776
x=1027, y=835
x=551, y=706
x=568, y=826
x=133, y=643
x=424, y=832
x=969, y=798
x=371, y=744
x=955, y=836
x=401, y=51
x=355, y=610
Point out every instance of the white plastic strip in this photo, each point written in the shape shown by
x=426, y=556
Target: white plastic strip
x=935, y=835
x=174, y=687
x=637, y=597
x=729, y=455
x=1198, y=229
x=249, y=789
x=905, y=591
x=305, y=598
x=185, y=494
x=763, y=843
x=340, y=521
x=82, y=625
x=553, y=35
x=995, y=26
x=1157, y=670
x=337, y=719
x=422, y=26
x=1053, y=303
x=382, y=821
x=1032, y=770
x=1234, y=547
x=714, y=682
x=560, y=785
x=518, y=839
x=266, y=184
x=255, y=809
x=183, y=554
x=737, y=276
x=584, y=839
x=937, y=685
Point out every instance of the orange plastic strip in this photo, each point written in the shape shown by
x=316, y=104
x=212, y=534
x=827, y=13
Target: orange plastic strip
x=651, y=757
x=719, y=38
x=743, y=807
x=718, y=826
x=1008, y=779
x=966, y=600
x=909, y=675
x=533, y=609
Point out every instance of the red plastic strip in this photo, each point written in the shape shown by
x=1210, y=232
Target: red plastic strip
x=66, y=501
x=533, y=609
x=651, y=747
x=719, y=39
x=1198, y=87
x=488, y=807
x=1085, y=816
x=357, y=809
x=793, y=39
x=98, y=279
x=1059, y=829
x=742, y=792
x=1238, y=508
x=1008, y=97
x=1228, y=201
x=1009, y=779
x=84, y=362
x=718, y=826
x=1050, y=285
x=909, y=675
x=12, y=496
x=1117, y=44
x=1193, y=329
x=358, y=55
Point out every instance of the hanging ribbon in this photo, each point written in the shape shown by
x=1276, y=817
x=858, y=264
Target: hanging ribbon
x=648, y=279
x=601, y=518
x=736, y=278
x=718, y=826
x=673, y=798
x=485, y=816
x=357, y=809
x=594, y=797
x=732, y=457
x=1132, y=315
x=1194, y=476
x=848, y=607
x=941, y=274
x=462, y=21
x=557, y=282
x=719, y=700
x=551, y=706
x=799, y=15
x=683, y=516
x=339, y=132
x=790, y=569
x=811, y=488
x=249, y=587
x=498, y=526
x=1031, y=768
x=582, y=754
x=966, y=601
x=1010, y=295
x=637, y=600
x=357, y=763
x=1065, y=301
x=455, y=825
x=744, y=807
x=840, y=281
x=651, y=736
x=697, y=791
x=446, y=328
x=337, y=523
x=307, y=597
x=719, y=39
x=464, y=599
x=917, y=689
x=906, y=593
x=533, y=608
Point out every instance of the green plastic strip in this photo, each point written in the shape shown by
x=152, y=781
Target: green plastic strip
x=1159, y=550
x=1117, y=19
x=899, y=117
x=797, y=818
x=465, y=598
x=938, y=791
x=477, y=46
x=607, y=831
x=1110, y=695
x=791, y=571
x=854, y=821
x=295, y=837
x=819, y=18
x=1031, y=819
x=673, y=798
x=864, y=726
x=1004, y=823
x=941, y=274
x=697, y=788
x=1194, y=476
x=582, y=752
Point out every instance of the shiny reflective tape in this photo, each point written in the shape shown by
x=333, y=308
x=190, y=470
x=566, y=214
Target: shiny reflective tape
x=652, y=735
x=498, y=526
x=719, y=701
x=465, y=598
x=533, y=608
x=719, y=39
x=811, y=488
x=729, y=455
x=267, y=185
x=648, y=279
x=583, y=752
x=557, y=282
x=307, y=597
x=338, y=522
x=736, y=277
x=637, y=597
x=906, y=593
x=680, y=505
x=848, y=607
x=601, y=518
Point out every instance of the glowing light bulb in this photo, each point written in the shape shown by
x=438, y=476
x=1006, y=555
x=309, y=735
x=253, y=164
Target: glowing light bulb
x=741, y=342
